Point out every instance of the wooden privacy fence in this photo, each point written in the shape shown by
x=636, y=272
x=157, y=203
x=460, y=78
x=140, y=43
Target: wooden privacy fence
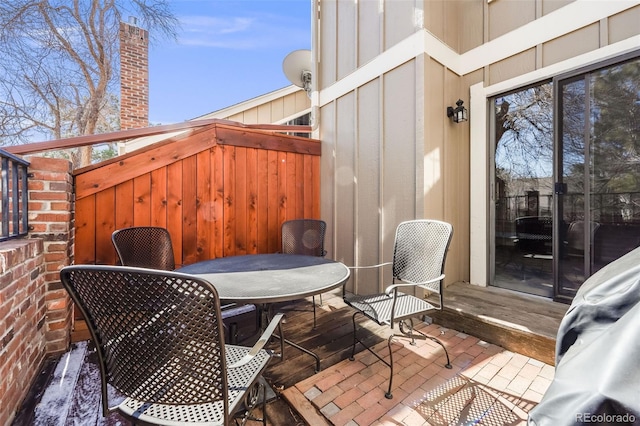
x=220, y=190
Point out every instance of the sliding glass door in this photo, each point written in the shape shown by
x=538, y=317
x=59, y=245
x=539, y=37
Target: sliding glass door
x=523, y=190
x=566, y=183
x=598, y=169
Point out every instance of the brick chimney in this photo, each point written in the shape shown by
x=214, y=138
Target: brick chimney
x=134, y=76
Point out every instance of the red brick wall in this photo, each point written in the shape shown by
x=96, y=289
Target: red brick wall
x=22, y=321
x=134, y=77
x=35, y=311
x=51, y=218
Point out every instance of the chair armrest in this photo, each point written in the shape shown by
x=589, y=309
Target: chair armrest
x=370, y=266
x=344, y=287
x=264, y=338
x=392, y=291
x=393, y=287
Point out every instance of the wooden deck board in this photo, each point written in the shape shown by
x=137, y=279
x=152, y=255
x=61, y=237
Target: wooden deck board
x=521, y=323
x=527, y=312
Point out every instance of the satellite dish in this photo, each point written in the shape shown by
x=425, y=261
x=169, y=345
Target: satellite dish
x=297, y=68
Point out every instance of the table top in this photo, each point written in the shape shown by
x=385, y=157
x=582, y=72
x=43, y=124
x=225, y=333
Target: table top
x=269, y=278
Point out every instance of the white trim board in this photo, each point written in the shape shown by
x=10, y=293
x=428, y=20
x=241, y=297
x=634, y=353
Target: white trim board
x=251, y=103
x=291, y=117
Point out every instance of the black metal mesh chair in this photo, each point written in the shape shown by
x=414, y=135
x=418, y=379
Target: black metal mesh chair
x=306, y=237
x=151, y=247
x=144, y=247
x=159, y=343
x=419, y=254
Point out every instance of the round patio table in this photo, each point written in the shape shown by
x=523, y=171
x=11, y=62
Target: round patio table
x=264, y=279
x=269, y=278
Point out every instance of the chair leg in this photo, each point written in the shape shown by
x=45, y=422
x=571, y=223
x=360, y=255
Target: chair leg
x=355, y=339
x=410, y=334
x=233, y=333
x=251, y=401
x=313, y=301
x=390, y=364
x=264, y=406
x=446, y=353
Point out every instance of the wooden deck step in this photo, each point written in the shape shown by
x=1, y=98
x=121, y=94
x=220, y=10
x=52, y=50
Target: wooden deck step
x=518, y=322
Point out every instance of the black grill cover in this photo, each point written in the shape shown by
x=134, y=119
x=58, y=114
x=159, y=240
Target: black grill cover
x=597, y=376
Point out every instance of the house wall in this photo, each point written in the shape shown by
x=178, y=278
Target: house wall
x=387, y=71
x=278, y=108
x=393, y=157
x=460, y=24
x=35, y=311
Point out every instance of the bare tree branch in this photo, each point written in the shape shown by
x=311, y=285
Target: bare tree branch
x=58, y=68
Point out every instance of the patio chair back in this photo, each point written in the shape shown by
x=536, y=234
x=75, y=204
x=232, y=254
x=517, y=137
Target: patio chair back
x=534, y=235
x=420, y=250
x=419, y=253
x=144, y=247
x=158, y=335
x=304, y=236
x=150, y=247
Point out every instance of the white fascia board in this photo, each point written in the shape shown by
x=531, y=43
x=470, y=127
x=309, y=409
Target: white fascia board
x=565, y=20
x=291, y=117
x=442, y=53
x=251, y=103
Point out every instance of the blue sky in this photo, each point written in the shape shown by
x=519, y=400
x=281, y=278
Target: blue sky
x=227, y=51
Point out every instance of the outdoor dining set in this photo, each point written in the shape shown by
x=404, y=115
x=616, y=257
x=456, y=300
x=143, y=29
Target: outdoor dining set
x=165, y=353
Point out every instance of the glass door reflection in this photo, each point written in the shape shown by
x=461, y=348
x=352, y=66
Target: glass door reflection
x=523, y=191
x=598, y=169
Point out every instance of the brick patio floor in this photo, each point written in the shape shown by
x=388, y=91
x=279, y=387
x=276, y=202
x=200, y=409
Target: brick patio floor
x=486, y=385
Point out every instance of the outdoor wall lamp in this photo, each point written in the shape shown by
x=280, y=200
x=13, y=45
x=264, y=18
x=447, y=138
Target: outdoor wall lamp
x=457, y=114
